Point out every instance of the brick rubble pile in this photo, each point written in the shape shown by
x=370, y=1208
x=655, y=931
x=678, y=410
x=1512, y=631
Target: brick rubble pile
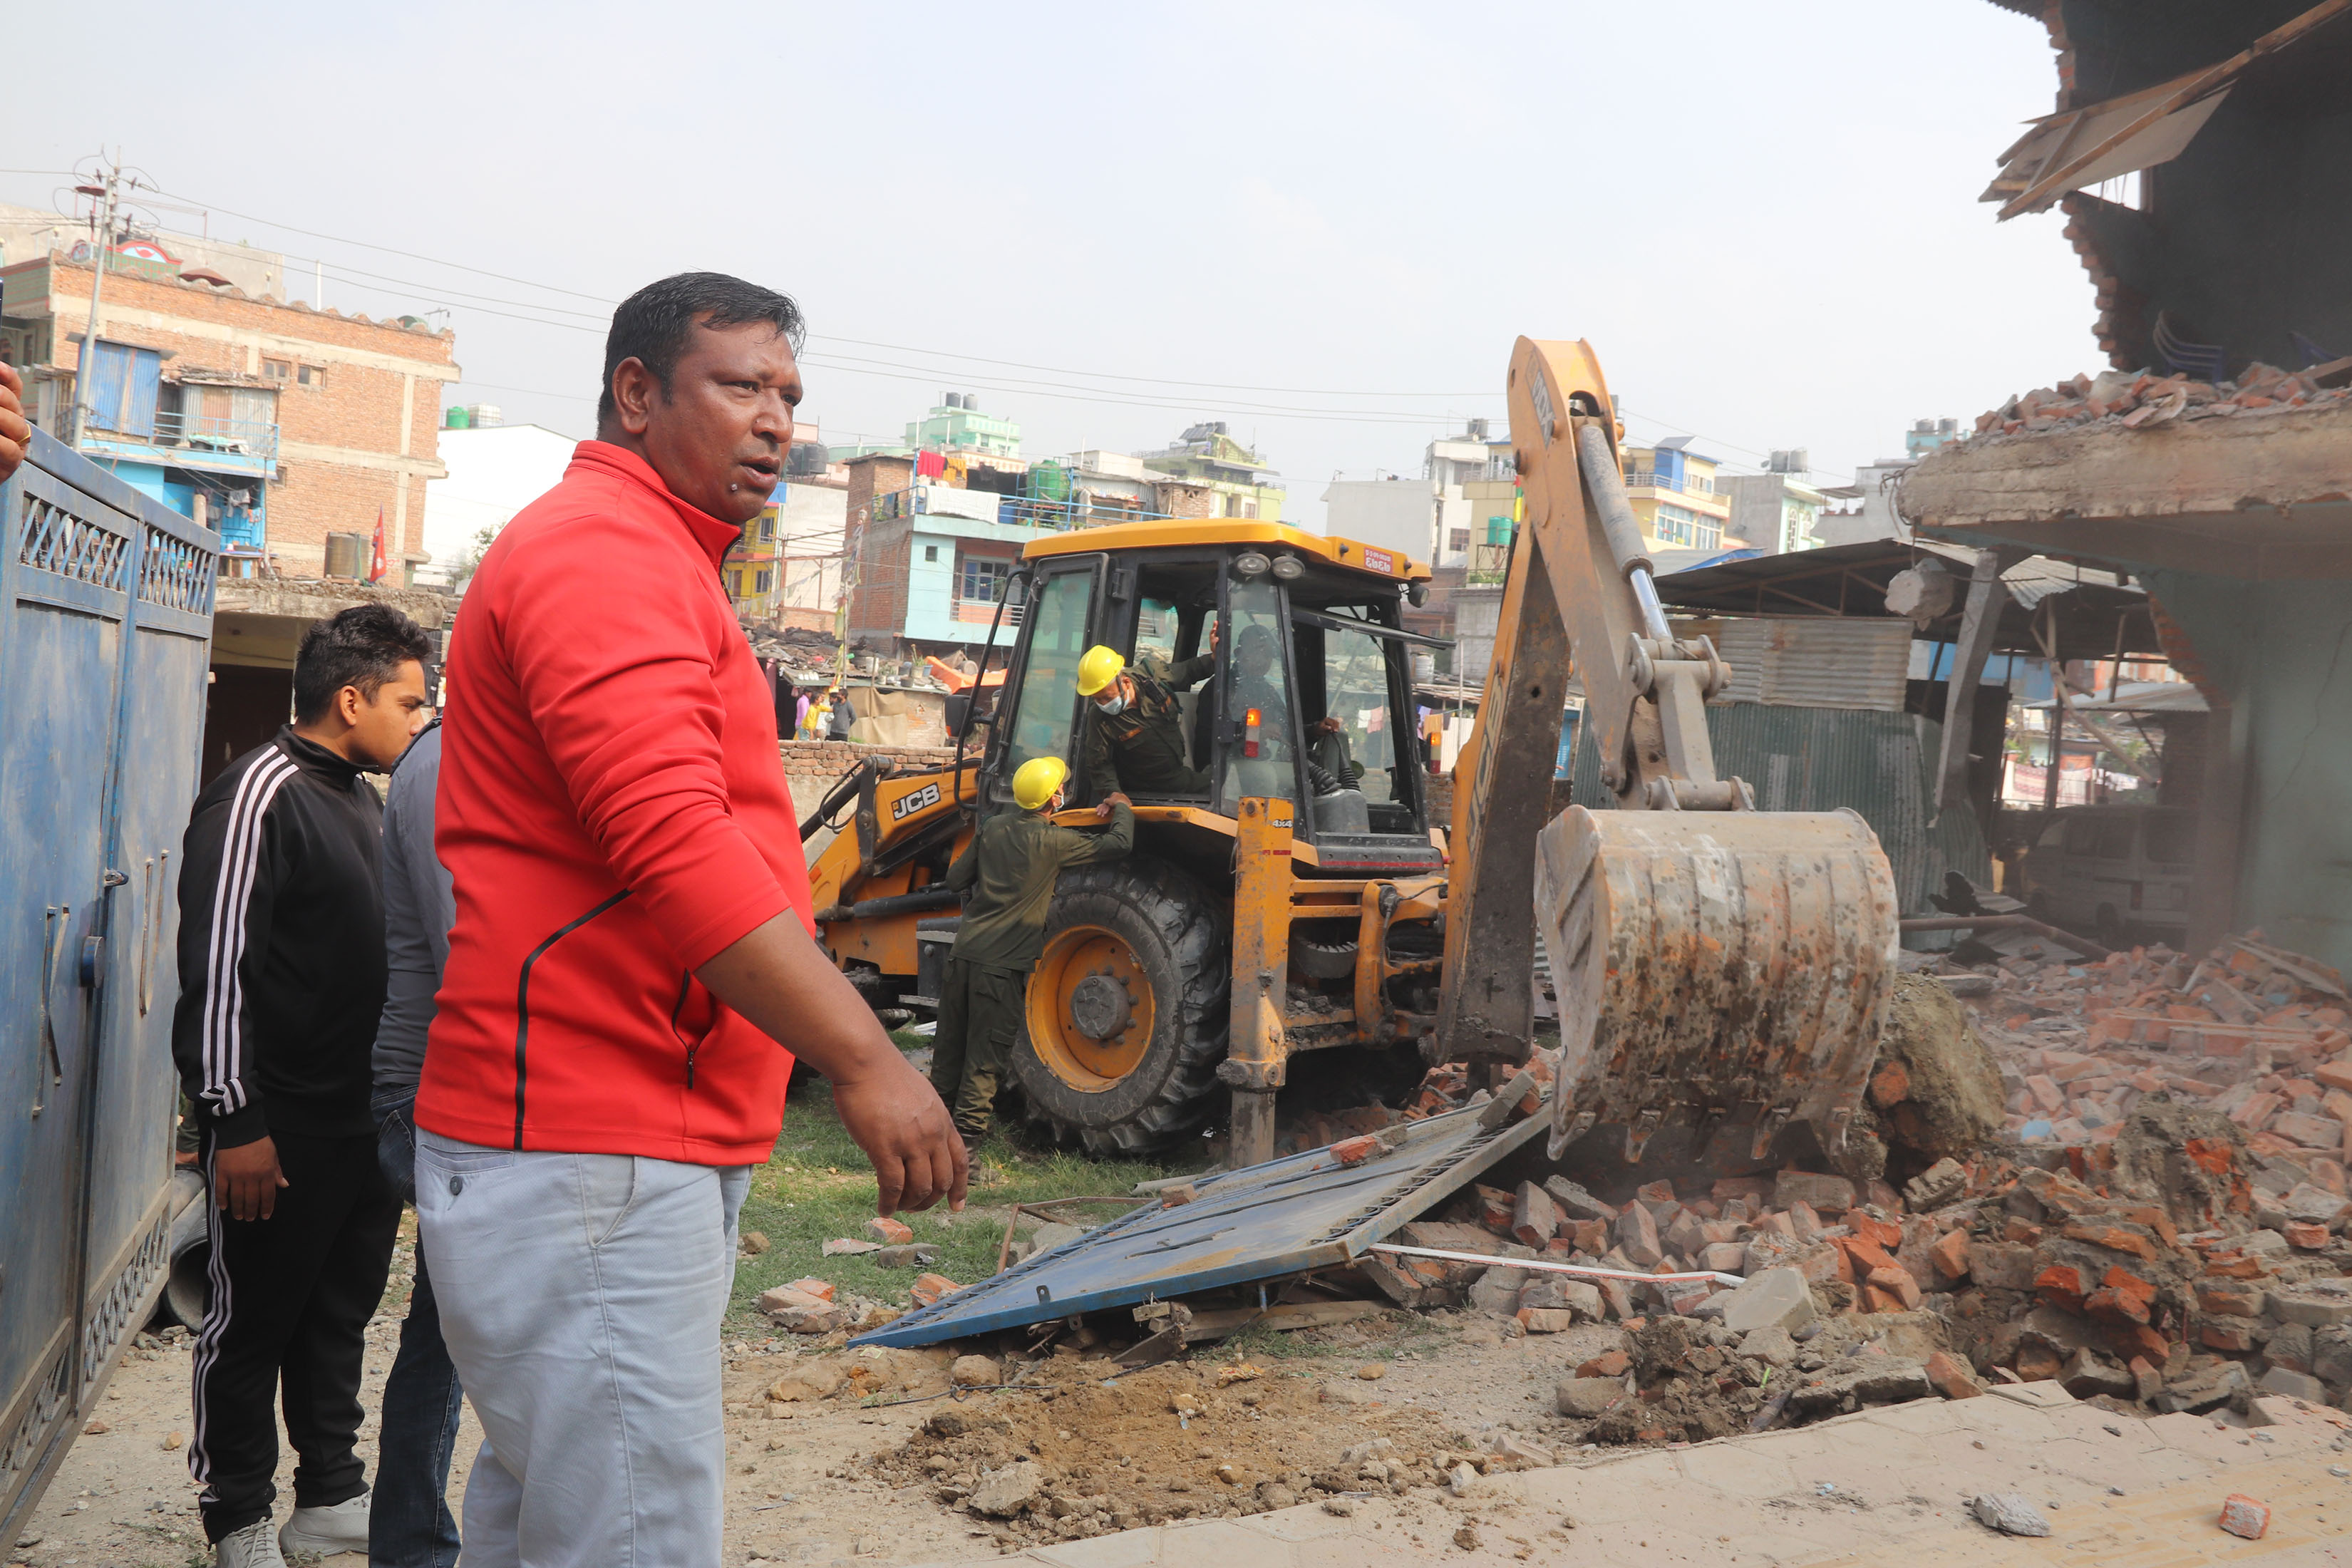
x=2139, y=399
x=2258, y=1033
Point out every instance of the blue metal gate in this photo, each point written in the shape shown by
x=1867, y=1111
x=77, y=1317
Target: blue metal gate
x=106, y=602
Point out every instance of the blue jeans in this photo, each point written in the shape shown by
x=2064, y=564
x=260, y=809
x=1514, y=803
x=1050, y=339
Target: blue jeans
x=409, y=1522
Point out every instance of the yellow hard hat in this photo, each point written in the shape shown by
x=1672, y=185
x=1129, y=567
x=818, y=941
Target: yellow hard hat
x=1097, y=669
x=1035, y=780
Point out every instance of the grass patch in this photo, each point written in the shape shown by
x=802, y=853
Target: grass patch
x=817, y=1185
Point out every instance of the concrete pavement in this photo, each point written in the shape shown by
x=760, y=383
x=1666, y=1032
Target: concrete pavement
x=1883, y=1485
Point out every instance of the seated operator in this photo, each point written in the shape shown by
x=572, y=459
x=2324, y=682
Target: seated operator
x=1137, y=745
x=1258, y=684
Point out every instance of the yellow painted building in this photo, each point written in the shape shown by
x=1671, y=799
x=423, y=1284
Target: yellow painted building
x=752, y=567
x=1675, y=494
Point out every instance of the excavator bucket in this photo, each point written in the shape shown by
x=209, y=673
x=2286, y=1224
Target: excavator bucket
x=1717, y=969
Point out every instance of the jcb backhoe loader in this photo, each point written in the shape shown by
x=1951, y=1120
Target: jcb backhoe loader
x=1721, y=970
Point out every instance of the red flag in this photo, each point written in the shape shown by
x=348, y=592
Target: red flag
x=378, y=565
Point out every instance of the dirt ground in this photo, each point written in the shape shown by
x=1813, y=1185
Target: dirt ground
x=841, y=1480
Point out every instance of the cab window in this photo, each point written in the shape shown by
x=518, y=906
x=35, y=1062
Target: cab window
x=1157, y=624
x=2115, y=837
x=1261, y=759
x=1046, y=709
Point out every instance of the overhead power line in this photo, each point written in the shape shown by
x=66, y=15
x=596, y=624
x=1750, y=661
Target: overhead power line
x=858, y=365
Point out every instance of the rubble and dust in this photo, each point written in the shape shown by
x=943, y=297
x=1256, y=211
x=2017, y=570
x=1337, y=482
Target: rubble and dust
x=2162, y=1237
x=1081, y=1453
x=2142, y=399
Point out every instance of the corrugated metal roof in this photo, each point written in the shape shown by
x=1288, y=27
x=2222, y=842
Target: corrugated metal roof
x=1816, y=661
x=1820, y=759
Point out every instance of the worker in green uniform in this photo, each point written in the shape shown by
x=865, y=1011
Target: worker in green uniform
x=1006, y=876
x=1138, y=740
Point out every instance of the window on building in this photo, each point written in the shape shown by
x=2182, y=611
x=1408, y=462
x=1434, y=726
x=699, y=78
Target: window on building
x=761, y=580
x=1676, y=525
x=1457, y=540
x=278, y=369
x=931, y=553
x=983, y=579
x=311, y=375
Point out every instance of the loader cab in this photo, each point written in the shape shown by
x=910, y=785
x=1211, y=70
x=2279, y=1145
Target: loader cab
x=1288, y=663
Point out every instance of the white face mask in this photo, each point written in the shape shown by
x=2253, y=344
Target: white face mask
x=1116, y=706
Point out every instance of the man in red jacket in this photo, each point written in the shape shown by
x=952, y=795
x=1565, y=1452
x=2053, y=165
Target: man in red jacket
x=633, y=945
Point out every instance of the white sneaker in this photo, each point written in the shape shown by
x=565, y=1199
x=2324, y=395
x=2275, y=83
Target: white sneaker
x=254, y=1546
x=327, y=1530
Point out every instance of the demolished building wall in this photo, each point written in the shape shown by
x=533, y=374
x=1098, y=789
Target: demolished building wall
x=2283, y=654
x=2274, y=160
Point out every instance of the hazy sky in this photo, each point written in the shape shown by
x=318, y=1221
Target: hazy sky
x=1323, y=222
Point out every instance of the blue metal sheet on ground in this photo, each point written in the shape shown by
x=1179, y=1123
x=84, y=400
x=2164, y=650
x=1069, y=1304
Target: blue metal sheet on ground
x=1286, y=1216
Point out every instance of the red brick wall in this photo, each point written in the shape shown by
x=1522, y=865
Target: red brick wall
x=831, y=759
x=340, y=443
x=877, y=602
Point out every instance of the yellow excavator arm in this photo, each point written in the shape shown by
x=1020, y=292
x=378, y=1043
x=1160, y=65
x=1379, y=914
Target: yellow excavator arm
x=1718, y=967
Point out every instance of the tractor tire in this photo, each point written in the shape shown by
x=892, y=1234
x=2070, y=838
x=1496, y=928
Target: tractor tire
x=1127, y=1014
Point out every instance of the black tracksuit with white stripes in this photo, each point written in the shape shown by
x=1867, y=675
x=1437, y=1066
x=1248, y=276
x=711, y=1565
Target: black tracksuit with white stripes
x=281, y=983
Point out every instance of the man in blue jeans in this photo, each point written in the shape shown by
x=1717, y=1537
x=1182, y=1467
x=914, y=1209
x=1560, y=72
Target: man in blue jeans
x=410, y=1526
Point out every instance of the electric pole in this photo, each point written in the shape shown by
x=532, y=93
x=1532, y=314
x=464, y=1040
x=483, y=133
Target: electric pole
x=107, y=192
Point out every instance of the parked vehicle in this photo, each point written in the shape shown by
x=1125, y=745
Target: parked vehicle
x=2113, y=870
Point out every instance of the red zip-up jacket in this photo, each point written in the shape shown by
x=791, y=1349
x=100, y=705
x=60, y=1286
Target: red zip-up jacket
x=613, y=812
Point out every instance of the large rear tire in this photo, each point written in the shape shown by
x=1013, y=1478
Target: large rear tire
x=1127, y=1009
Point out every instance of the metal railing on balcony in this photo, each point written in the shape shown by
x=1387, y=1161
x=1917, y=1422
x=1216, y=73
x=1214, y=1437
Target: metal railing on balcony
x=981, y=612
x=1669, y=482
x=1019, y=512
x=192, y=439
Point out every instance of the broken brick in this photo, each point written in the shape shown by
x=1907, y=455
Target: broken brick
x=1872, y=1228
x=1534, y=1217
x=2113, y=1238
x=1637, y=1236
x=1609, y=1364
x=1356, y=1151
x=2230, y=1298
x=2305, y=1237
x=1950, y=1255
x=2244, y=1517
x=1896, y=1282
x=1827, y=1193
x=928, y=1288
x=888, y=1232
x=2232, y=1334
x=2037, y=1362
x=2060, y=1285
x=1890, y=1085
x=1879, y=1299
x=1949, y=1375
x=1866, y=1255
x=2108, y=1305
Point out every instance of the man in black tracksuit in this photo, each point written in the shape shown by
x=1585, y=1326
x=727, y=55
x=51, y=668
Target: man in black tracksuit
x=282, y=955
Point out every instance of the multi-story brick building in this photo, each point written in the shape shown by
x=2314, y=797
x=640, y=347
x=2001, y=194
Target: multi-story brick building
x=281, y=423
